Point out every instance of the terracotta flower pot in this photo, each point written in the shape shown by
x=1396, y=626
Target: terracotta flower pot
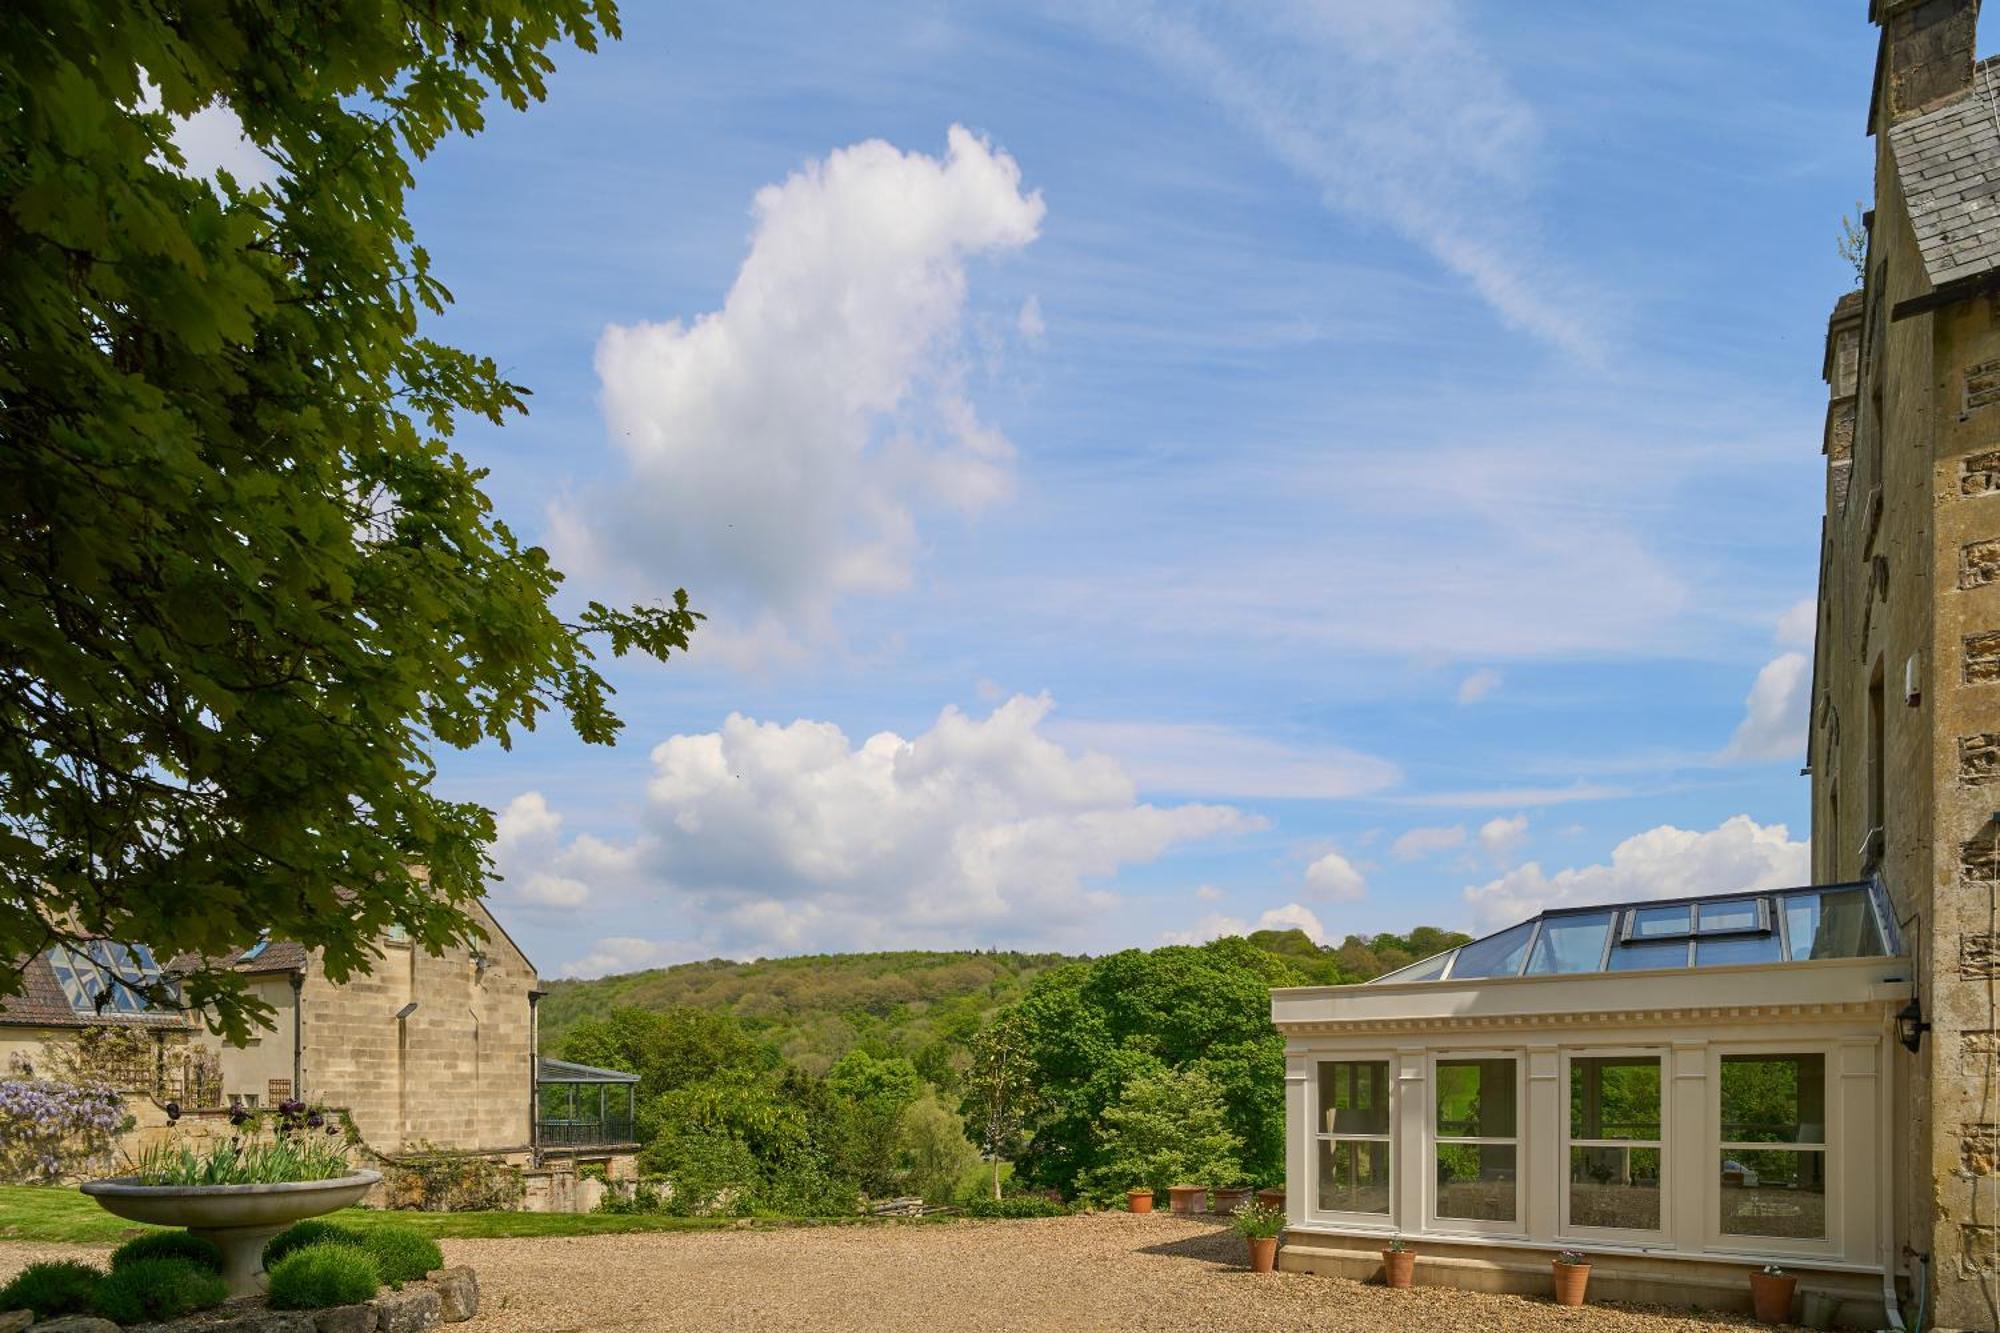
x=1263, y=1253
x=1188, y=1200
x=1273, y=1199
x=1771, y=1296
x=1139, y=1201
x=1399, y=1267
x=1571, y=1282
x=1227, y=1201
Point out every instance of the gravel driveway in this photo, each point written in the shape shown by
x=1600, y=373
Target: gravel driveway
x=1103, y=1271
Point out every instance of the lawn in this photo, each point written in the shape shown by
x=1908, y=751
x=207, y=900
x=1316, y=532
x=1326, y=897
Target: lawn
x=58, y=1214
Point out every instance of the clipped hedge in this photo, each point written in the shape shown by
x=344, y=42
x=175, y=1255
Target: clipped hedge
x=200, y=1252
x=323, y=1274
x=402, y=1253
x=154, y=1289
x=1019, y=1205
x=58, y=1287
x=312, y=1231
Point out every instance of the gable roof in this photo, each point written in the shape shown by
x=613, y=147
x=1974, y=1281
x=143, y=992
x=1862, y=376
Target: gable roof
x=1948, y=160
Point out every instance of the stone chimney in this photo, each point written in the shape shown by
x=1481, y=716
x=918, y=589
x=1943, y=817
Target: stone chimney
x=1842, y=369
x=1925, y=58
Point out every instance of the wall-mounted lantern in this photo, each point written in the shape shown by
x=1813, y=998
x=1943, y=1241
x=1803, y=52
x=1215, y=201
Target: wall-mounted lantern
x=1910, y=1025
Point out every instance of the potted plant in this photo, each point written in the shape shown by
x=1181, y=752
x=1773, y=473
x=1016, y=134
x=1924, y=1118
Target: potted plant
x=1572, y=1274
x=1139, y=1200
x=1259, y=1226
x=1272, y=1198
x=241, y=1191
x=1225, y=1200
x=1399, y=1266
x=1771, y=1292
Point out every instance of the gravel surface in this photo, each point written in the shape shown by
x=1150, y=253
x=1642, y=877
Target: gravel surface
x=1103, y=1271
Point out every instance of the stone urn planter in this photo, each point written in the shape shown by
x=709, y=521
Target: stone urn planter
x=1226, y=1201
x=1187, y=1200
x=1771, y=1292
x=1399, y=1266
x=1572, y=1278
x=1139, y=1201
x=238, y=1218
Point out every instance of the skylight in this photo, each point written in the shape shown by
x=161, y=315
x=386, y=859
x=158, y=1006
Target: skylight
x=1789, y=926
x=94, y=978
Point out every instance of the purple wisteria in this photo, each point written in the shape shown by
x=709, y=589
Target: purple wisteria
x=50, y=1129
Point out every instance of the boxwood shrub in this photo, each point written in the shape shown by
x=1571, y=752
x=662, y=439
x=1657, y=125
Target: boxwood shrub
x=152, y=1289
x=402, y=1253
x=323, y=1274
x=59, y=1287
x=1020, y=1205
x=312, y=1231
x=197, y=1250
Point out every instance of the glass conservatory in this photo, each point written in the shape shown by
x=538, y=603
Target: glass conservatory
x=1687, y=1090
x=582, y=1106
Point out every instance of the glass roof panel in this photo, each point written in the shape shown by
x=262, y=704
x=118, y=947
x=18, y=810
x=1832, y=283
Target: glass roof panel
x=1495, y=956
x=1825, y=921
x=91, y=978
x=1640, y=955
x=1571, y=943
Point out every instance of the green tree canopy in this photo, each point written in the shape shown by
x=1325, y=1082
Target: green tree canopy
x=1168, y=1127
x=246, y=586
x=667, y=1050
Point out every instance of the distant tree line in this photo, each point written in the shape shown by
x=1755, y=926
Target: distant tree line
x=1145, y=1067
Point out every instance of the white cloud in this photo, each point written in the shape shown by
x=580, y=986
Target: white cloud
x=1478, y=685
x=1208, y=893
x=1029, y=322
x=1798, y=624
x=778, y=450
x=1775, y=713
x=1393, y=114
x=1292, y=916
x=1421, y=842
x=1501, y=838
x=528, y=835
x=762, y=837
x=1334, y=876
x=1517, y=796
x=212, y=140
x=1197, y=759
x=622, y=953
x=1666, y=862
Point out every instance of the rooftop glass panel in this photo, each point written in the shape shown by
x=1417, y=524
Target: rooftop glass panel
x=100, y=977
x=1571, y=943
x=1788, y=925
x=1496, y=955
x=1655, y=922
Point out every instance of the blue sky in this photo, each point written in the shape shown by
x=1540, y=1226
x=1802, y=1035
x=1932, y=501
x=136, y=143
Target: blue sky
x=1289, y=462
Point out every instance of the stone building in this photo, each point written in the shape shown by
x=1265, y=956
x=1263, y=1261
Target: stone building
x=1904, y=747
x=426, y=1053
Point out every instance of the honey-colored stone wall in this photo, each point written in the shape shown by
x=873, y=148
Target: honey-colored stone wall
x=1910, y=627
x=457, y=1073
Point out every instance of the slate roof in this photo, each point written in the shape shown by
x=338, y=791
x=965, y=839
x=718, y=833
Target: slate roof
x=1948, y=160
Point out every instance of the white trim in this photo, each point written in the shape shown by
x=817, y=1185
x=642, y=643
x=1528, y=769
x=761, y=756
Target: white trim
x=1318, y=1134
x=1434, y=1222
x=1599, y=1236
x=1716, y=1240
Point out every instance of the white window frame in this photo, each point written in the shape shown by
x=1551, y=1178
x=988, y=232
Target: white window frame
x=1726, y=1242
x=1385, y=1221
x=1432, y=1141
x=1569, y=1230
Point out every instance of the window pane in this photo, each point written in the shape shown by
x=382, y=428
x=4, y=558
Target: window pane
x=1570, y=944
x=1738, y=949
x=1354, y=1097
x=1648, y=922
x=1736, y=914
x=1615, y=1187
x=1430, y=969
x=1615, y=1097
x=1476, y=1181
x=1652, y=953
x=1836, y=923
x=1774, y=1193
x=1353, y=1176
x=1475, y=1099
x=1774, y=1099
x=1496, y=955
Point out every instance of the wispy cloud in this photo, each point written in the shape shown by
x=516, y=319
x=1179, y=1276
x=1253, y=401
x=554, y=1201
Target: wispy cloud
x=1524, y=797
x=1205, y=760
x=1395, y=116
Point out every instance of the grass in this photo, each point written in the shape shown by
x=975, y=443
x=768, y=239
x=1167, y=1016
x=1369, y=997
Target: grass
x=54, y=1214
